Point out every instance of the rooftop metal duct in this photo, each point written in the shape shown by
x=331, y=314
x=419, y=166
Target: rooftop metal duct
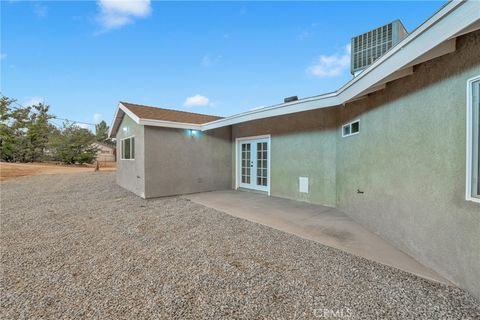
x=290, y=99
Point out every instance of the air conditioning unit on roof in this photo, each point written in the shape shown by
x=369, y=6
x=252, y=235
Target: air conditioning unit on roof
x=371, y=45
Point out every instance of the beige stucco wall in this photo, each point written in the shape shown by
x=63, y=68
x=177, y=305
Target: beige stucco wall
x=178, y=163
x=130, y=174
x=302, y=144
x=409, y=159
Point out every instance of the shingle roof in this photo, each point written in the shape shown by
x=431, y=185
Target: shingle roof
x=153, y=113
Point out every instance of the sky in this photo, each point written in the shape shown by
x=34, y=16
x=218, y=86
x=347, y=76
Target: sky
x=221, y=58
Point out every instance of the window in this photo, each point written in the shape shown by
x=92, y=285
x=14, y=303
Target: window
x=473, y=139
x=128, y=148
x=351, y=128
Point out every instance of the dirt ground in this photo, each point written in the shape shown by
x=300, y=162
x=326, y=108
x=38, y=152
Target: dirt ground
x=10, y=171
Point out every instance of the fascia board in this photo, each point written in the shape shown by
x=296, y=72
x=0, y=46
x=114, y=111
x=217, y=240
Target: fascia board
x=327, y=100
x=437, y=33
x=170, y=124
x=113, y=125
x=129, y=113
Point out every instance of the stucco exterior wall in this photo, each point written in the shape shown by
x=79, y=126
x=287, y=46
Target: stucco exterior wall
x=302, y=144
x=179, y=163
x=409, y=160
x=131, y=173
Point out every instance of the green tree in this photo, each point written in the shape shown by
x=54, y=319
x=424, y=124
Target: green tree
x=38, y=131
x=19, y=125
x=7, y=137
x=72, y=144
x=24, y=131
x=101, y=131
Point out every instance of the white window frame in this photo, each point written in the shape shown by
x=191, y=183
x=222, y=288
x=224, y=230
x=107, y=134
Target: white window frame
x=469, y=196
x=350, y=126
x=121, y=148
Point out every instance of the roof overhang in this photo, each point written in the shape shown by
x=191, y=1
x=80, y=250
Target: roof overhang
x=434, y=38
x=122, y=111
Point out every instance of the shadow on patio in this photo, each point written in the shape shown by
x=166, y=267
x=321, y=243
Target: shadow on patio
x=325, y=225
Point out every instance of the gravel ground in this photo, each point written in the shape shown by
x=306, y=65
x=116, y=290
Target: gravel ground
x=79, y=247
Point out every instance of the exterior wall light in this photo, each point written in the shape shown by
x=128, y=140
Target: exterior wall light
x=191, y=133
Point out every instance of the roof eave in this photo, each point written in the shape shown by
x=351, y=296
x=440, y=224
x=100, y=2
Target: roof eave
x=117, y=118
x=122, y=110
x=170, y=124
x=435, y=34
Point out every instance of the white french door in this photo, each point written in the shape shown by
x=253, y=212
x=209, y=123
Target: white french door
x=253, y=163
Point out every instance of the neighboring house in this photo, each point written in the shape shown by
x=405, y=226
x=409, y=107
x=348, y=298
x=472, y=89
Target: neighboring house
x=396, y=148
x=105, y=152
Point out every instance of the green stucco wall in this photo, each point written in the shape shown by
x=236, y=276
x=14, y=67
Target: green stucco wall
x=130, y=174
x=409, y=159
x=302, y=144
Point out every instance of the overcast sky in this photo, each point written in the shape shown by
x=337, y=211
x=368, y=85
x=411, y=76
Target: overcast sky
x=210, y=57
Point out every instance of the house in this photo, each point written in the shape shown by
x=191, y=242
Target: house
x=105, y=152
x=396, y=148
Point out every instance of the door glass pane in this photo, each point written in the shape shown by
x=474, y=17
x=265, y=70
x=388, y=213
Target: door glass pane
x=262, y=164
x=245, y=161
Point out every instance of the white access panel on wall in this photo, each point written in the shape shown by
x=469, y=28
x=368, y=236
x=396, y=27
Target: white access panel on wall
x=303, y=184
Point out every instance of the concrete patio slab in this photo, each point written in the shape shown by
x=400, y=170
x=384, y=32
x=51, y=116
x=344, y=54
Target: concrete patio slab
x=325, y=225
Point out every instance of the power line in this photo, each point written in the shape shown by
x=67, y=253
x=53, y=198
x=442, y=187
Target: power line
x=55, y=117
x=90, y=124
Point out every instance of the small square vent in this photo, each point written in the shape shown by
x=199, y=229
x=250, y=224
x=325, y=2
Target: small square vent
x=303, y=184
